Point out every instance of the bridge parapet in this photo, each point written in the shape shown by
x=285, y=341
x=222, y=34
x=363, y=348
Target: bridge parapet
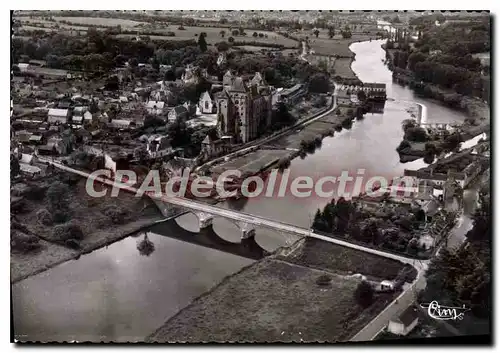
x=247, y=230
x=168, y=210
x=204, y=219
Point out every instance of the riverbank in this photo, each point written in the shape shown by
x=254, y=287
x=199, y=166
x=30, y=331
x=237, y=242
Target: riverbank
x=286, y=301
x=477, y=110
x=98, y=226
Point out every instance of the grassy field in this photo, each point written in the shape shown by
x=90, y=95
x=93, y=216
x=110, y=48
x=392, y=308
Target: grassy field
x=252, y=162
x=328, y=256
x=337, y=45
x=214, y=36
x=189, y=32
x=97, y=21
x=310, y=131
x=272, y=301
x=342, y=68
x=85, y=21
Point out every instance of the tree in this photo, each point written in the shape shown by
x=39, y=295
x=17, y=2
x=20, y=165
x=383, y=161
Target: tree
x=222, y=33
x=133, y=62
x=319, y=83
x=241, y=30
x=331, y=32
x=202, y=43
x=169, y=75
x=140, y=153
x=254, y=34
x=346, y=34
x=222, y=46
x=230, y=40
x=235, y=32
x=364, y=294
x=58, y=196
x=145, y=246
x=22, y=242
x=416, y=134
x=403, y=145
x=15, y=168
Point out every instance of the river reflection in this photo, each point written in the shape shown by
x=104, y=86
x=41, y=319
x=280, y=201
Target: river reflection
x=115, y=293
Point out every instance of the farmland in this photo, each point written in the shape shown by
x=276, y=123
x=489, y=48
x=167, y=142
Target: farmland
x=188, y=32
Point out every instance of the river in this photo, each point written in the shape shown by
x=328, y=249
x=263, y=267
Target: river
x=116, y=294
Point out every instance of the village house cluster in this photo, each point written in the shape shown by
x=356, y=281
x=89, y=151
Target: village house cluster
x=56, y=112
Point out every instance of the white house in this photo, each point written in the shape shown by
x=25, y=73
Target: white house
x=157, y=143
x=404, y=323
x=120, y=123
x=87, y=117
x=155, y=107
x=58, y=116
x=386, y=286
x=206, y=103
x=24, y=67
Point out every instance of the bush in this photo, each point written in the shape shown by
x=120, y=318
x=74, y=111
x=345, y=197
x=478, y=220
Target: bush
x=44, y=217
x=23, y=242
x=57, y=196
x=364, y=294
x=60, y=216
x=35, y=193
x=323, y=280
x=67, y=231
x=404, y=144
x=116, y=214
x=416, y=134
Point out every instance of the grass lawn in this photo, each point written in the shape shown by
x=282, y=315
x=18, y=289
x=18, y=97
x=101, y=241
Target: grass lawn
x=319, y=254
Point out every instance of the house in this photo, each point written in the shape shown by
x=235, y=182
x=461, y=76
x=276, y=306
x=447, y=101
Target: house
x=36, y=139
x=178, y=113
x=121, y=124
x=430, y=208
x=58, y=144
x=87, y=117
x=207, y=104
x=155, y=107
x=77, y=120
x=212, y=146
x=156, y=144
x=191, y=108
x=344, y=98
x=404, y=323
x=79, y=111
x=24, y=67
x=58, y=116
x=386, y=286
x=30, y=170
x=291, y=95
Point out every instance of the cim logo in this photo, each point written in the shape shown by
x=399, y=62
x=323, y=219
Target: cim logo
x=439, y=312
